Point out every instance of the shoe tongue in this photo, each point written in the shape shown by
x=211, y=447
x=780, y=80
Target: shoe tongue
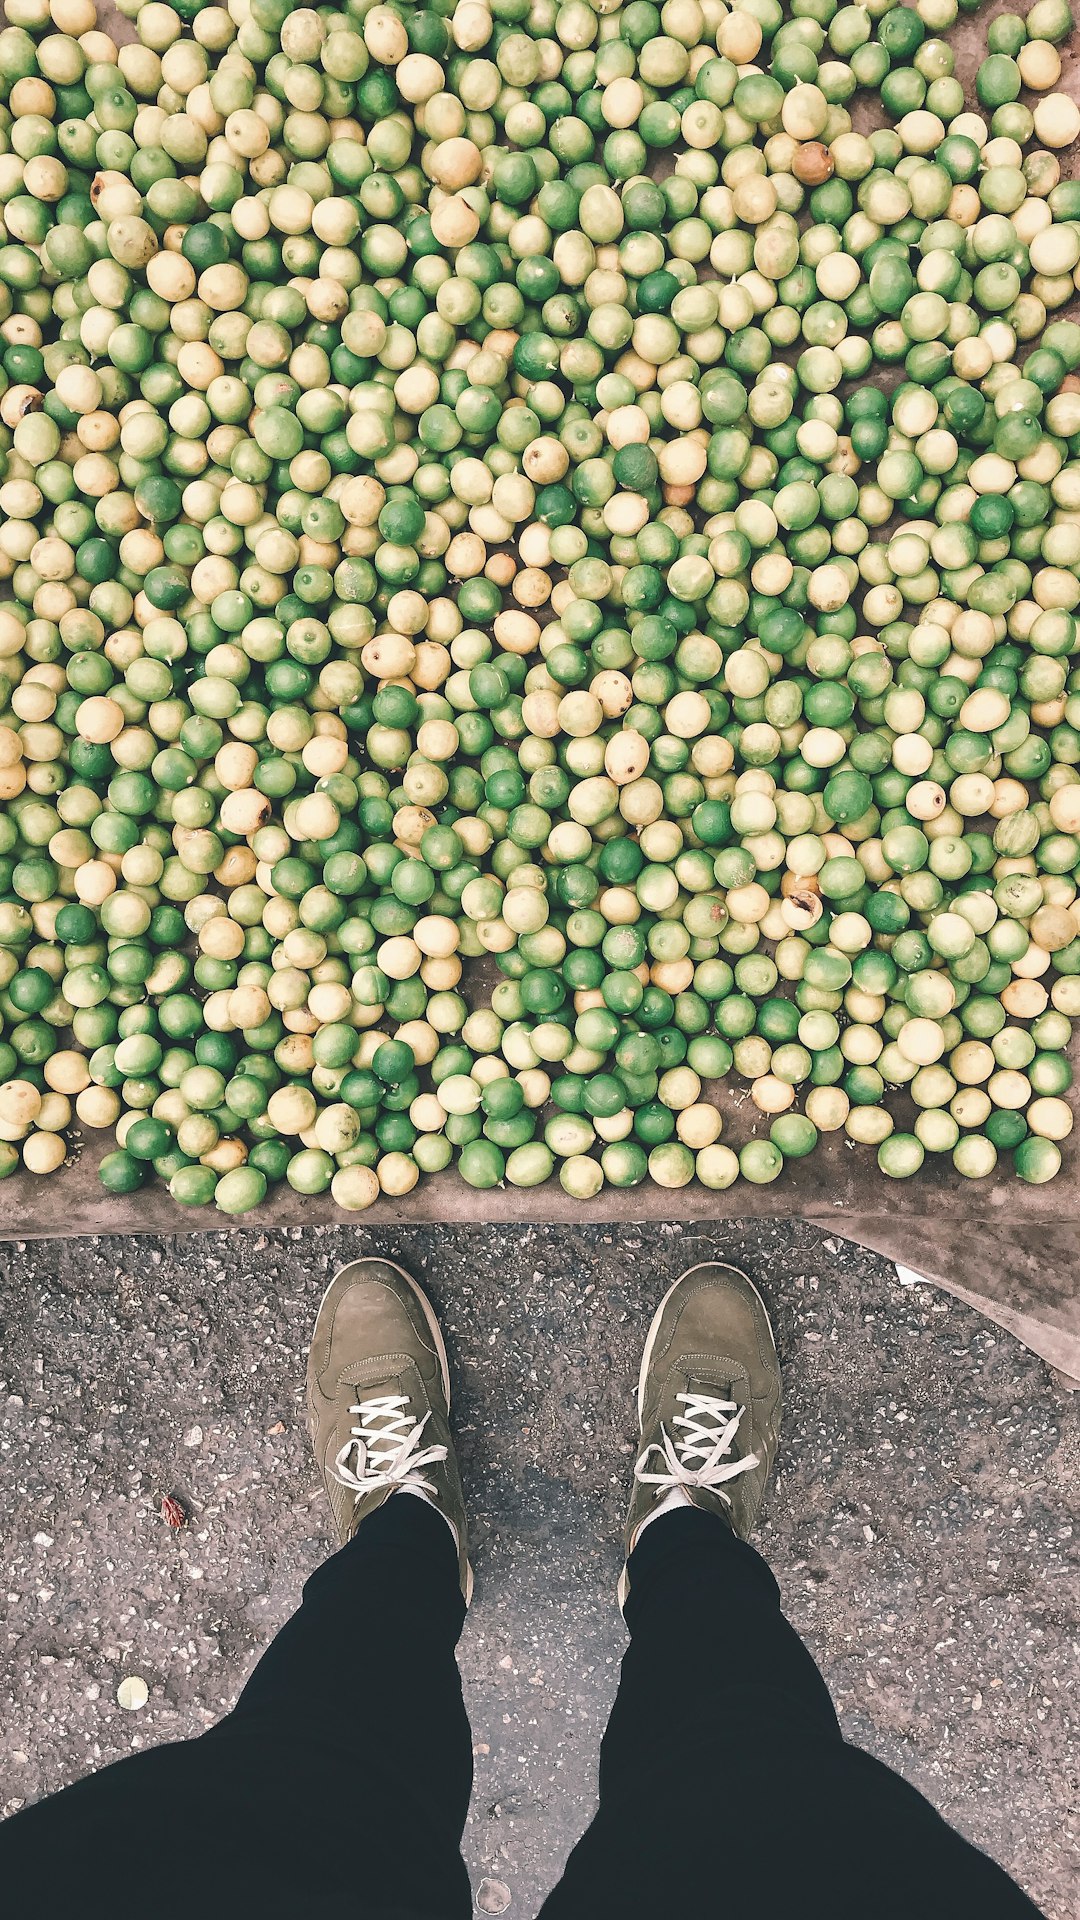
x=377, y=1380
x=390, y=1428
x=706, y=1382
x=704, y=1377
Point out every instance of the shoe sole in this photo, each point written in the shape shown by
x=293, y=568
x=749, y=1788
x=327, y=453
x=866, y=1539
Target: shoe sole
x=435, y=1331
x=654, y=1329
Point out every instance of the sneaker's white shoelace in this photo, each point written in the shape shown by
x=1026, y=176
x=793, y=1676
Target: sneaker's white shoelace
x=386, y=1447
x=696, y=1456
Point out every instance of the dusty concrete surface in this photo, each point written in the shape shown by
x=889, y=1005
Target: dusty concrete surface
x=922, y=1523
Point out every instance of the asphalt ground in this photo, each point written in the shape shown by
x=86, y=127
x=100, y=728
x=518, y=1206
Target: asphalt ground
x=922, y=1521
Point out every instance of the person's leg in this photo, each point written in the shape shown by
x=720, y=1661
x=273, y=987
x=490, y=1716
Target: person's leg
x=345, y=1768
x=724, y=1776
x=346, y=1763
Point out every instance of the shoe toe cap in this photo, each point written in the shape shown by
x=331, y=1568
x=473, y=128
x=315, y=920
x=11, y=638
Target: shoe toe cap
x=369, y=1310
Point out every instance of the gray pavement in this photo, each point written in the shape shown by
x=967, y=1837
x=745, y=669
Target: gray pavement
x=922, y=1523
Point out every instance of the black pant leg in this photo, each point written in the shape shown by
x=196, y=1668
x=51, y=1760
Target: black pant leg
x=341, y=1777
x=724, y=1777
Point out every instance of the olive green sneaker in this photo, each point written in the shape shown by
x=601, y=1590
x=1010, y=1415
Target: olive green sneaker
x=378, y=1395
x=708, y=1402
